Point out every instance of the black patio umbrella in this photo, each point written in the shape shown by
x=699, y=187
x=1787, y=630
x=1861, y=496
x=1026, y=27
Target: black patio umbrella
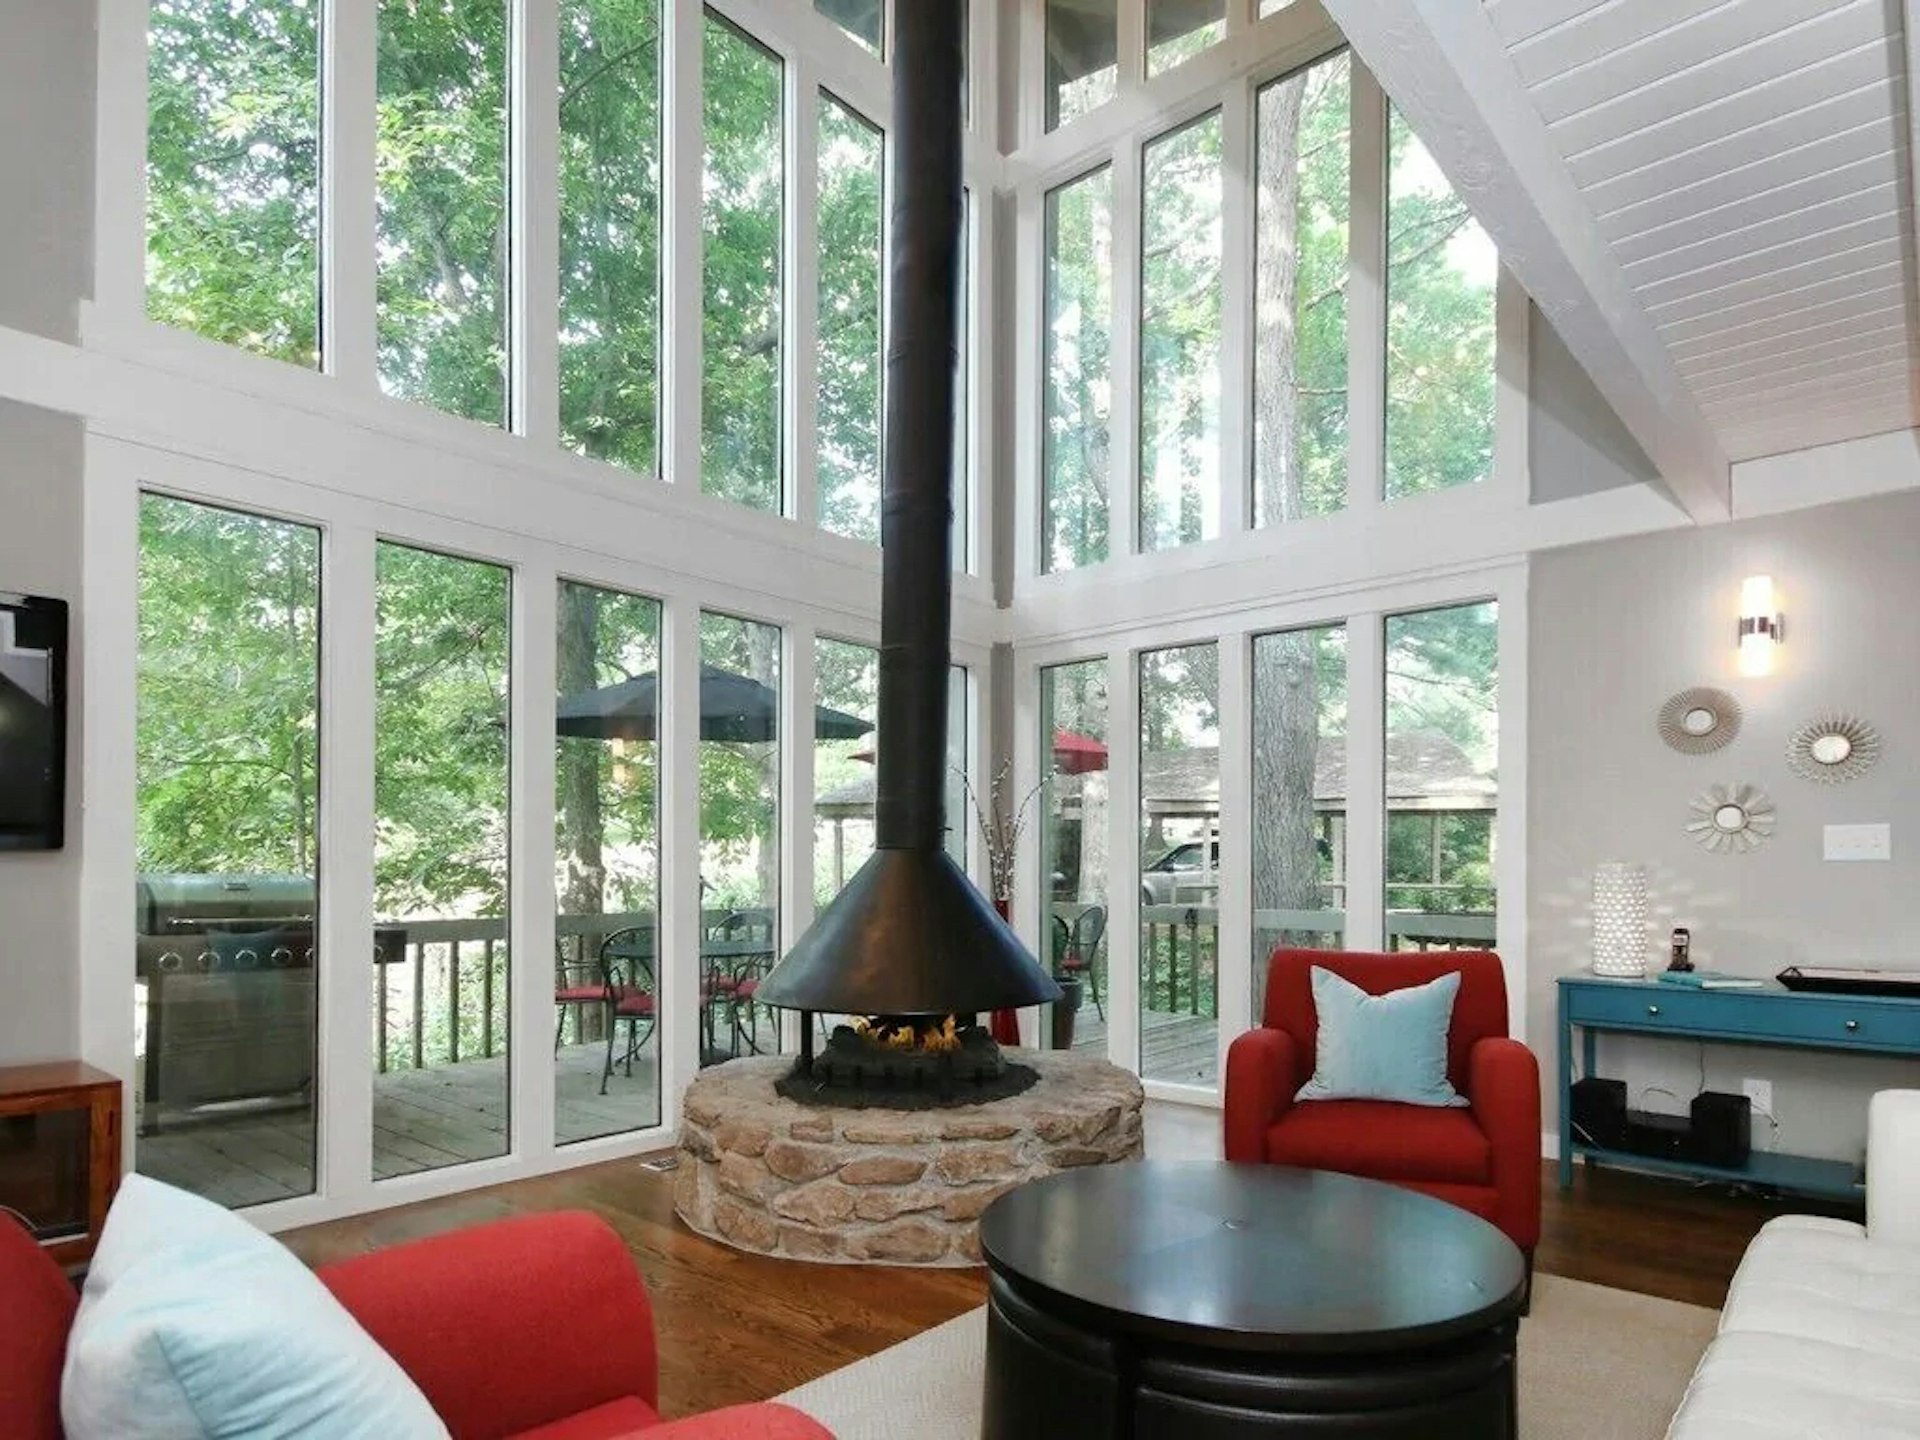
x=732, y=707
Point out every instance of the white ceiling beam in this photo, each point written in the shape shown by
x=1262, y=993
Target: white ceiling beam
x=1450, y=75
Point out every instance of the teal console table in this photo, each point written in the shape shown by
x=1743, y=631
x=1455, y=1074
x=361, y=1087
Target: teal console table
x=1862, y=1024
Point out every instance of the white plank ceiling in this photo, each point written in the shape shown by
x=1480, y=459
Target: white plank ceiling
x=1747, y=161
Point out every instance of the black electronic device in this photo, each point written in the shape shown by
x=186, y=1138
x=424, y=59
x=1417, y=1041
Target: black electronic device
x=1851, y=980
x=33, y=722
x=1722, y=1129
x=1667, y=1137
x=1600, y=1111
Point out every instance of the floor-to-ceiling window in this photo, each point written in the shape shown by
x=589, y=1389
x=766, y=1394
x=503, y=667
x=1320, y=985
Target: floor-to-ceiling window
x=1077, y=351
x=606, y=1050
x=1075, y=811
x=852, y=182
x=1180, y=860
x=226, y=961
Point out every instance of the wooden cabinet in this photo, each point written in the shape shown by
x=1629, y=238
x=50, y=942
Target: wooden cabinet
x=60, y=1152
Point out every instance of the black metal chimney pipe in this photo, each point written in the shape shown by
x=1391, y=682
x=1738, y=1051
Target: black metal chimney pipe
x=911, y=934
x=916, y=503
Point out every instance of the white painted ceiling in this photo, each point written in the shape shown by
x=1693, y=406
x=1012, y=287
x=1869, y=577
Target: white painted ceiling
x=1747, y=162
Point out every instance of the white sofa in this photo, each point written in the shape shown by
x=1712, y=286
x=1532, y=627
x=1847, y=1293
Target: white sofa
x=1820, y=1338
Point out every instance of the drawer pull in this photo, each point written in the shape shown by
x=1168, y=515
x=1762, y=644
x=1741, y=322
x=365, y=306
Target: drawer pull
x=1853, y=1024
x=1653, y=1009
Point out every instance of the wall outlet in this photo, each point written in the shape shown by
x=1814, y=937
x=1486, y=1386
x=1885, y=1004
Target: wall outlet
x=1759, y=1094
x=1859, y=842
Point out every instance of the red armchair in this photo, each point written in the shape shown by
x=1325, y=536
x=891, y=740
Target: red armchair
x=537, y=1328
x=1484, y=1158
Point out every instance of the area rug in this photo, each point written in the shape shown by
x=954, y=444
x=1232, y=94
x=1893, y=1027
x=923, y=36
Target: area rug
x=1595, y=1364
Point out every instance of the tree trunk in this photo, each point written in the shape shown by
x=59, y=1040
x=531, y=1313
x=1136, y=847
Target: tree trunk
x=1286, y=690
x=582, y=826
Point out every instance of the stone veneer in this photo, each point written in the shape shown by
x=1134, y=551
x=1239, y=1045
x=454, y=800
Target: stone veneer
x=885, y=1187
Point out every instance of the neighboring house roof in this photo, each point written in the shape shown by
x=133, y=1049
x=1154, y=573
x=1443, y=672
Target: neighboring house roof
x=1426, y=770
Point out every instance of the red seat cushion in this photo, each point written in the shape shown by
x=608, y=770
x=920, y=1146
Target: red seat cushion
x=36, y=1310
x=1382, y=1140
x=603, y=1422
x=639, y=1007
x=747, y=989
x=580, y=995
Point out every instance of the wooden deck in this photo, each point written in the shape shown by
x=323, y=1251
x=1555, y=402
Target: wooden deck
x=422, y=1120
x=1182, y=1049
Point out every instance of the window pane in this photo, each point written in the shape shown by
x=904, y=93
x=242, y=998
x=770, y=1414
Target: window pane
x=1299, y=794
x=610, y=230
x=1083, y=39
x=846, y=679
x=607, y=873
x=1443, y=790
x=1180, y=360
x=1079, y=398
x=1073, y=836
x=442, y=205
x=864, y=20
x=745, y=216
x=226, y=804
x=439, y=860
x=1441, y=272
x=1300, y=295
x=959, y=763
x=739, y=833
x=851, y=362
x=1180, y=29
x=233, y=173
x=1180, y=864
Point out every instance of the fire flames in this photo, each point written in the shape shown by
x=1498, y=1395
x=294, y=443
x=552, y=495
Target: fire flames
x=940, y=1039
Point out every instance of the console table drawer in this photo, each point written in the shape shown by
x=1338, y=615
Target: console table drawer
x=1765, y=1016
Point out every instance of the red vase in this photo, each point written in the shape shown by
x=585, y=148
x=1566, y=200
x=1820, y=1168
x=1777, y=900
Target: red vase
x=1005, y=1024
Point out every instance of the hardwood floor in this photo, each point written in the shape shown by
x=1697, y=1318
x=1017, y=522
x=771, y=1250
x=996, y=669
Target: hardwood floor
x=735, y=1328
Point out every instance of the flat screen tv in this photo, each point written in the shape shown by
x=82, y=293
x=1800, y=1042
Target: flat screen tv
x=33, y=722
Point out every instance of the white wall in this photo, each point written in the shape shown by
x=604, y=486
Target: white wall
x=40, y=467
x=1576, y=445
x=46, y=163
x=1619, y=626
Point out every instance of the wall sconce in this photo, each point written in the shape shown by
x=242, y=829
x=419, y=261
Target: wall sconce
x=1760, y=625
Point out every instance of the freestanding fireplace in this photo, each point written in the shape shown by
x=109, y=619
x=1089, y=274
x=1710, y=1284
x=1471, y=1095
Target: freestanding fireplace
x=803, y=1158
x=911, y=943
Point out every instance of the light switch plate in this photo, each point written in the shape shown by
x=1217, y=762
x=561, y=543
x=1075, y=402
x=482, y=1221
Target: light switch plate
x=1859, y=842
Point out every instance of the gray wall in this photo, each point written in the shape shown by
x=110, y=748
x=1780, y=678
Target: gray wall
x=46, y=163
x=1576, y=445
x=40, y=464
x=1615, y=629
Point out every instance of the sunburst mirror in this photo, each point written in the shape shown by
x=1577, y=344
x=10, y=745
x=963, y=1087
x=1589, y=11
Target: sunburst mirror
x=1833, y=749
x=1731, y=819
x=1699, y=721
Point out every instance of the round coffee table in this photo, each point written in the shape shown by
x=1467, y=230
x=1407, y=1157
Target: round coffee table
x=1168, y=1301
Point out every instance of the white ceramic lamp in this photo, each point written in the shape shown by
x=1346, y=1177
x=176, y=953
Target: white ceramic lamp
x=1620, y=948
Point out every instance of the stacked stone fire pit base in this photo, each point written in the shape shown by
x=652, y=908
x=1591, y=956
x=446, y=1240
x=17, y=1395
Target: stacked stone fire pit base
x=885, y=1187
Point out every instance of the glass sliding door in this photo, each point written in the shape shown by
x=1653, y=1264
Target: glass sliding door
x=847, y=682
x=227, y=797
x=440, y=859
x=1299, y=794
x=607, y=865
x=739, y=833
x=1180, y=863
x=1442, y=782
x=1074, y=814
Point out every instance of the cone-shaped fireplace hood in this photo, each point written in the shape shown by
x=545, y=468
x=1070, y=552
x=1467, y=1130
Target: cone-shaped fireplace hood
x=910, y=935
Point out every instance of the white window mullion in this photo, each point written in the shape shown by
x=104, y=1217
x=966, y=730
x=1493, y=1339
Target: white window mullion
x=797, y=685
x=1366, y=782
x=1027, y=347
x=1511, y=466
x=534, y=197
x=530, y=907
x=1233, y=978
x=344, y=1088
x=682, y=286
x=1367, y=298
x=979, y=336
x=1123, y=859
x=680, y=937
x=1131, y=47
x=120, y=173
x=349, y=349
x=1510, y=821
x=801, y=385
x=1235, y=477
x=1032, y=888
x=1123, y=445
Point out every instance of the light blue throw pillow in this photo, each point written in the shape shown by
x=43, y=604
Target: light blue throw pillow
x=194, y=1324
x=1382, y=1047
